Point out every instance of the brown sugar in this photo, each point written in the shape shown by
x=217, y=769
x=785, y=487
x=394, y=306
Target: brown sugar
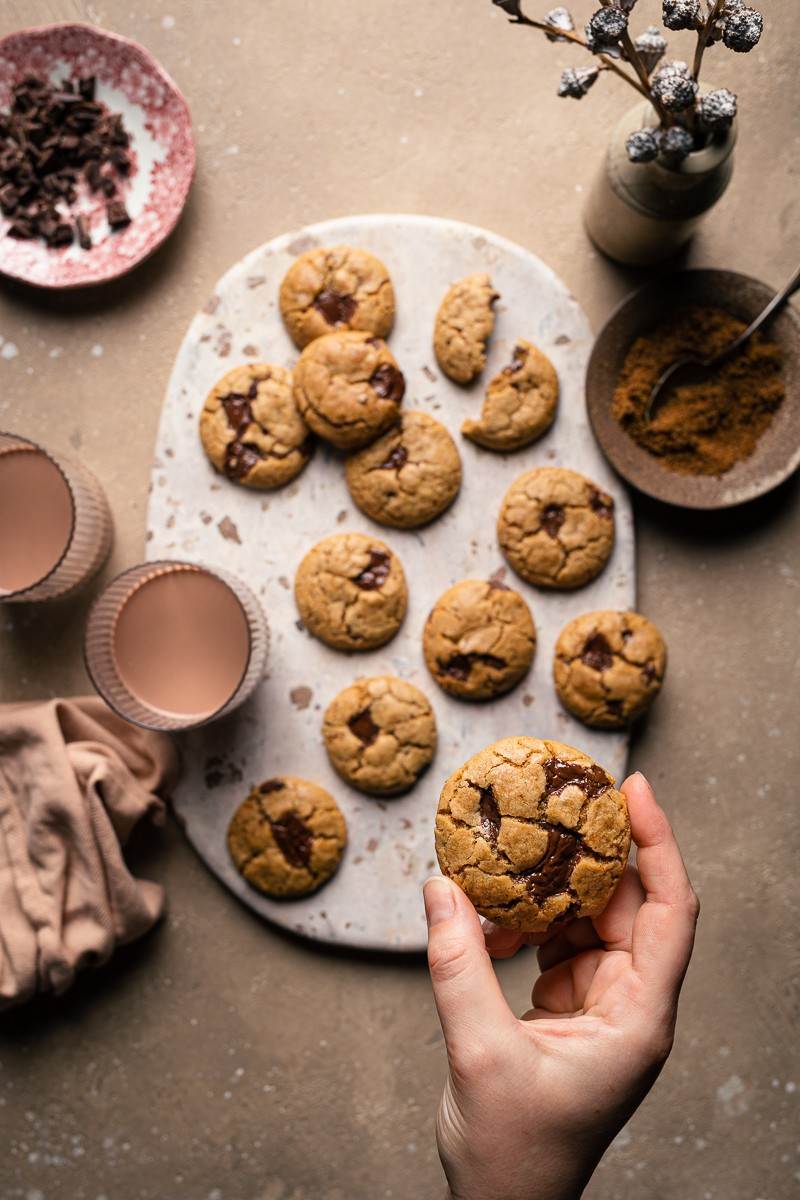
x=702, y=427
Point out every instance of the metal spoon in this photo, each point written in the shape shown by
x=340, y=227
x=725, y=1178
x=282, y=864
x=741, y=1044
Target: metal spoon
x=690, y=369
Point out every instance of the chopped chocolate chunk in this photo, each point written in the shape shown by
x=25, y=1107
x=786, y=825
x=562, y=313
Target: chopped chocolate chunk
x=559, y=774
x=363, y=726
x=602, y=504
x=336, y=307
x=458, y=666
x=397, y=459
x=489, y=814
x=271, y=785
x=240, y=458
x=553, y=517
x=649, y=671
x=375, y=573
x=47, y=136
x=117, y=214
x=237, y=410
x=82, y=230
x=294, y=839
x=388, y=383
x=517, y=360
x=551, y=874
x=496, y=583
x=597, y=653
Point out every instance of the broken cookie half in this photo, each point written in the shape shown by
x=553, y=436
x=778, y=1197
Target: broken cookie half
x=520, y=403
x=464, y=324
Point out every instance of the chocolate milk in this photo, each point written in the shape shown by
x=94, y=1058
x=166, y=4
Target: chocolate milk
x=36, y=517
x=181, y=642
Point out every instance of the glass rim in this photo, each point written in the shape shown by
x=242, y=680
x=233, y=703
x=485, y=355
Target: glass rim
x=20, y=592
x=216, y=572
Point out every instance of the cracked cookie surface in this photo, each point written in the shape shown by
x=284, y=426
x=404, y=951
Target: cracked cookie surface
x=556, y=527
x=479, y=639
x=287, y=838
x=463, y=326
x=380, y=734
x=533, y=832
x=351, y=591
x=409, y=475
x=520, y=403
x=608, y=667
x=336, y=287
x=251, y=427
x=348, y=388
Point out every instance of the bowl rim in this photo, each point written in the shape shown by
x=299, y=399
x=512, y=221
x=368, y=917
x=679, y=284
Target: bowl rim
x=165, y=228
x=636, y=465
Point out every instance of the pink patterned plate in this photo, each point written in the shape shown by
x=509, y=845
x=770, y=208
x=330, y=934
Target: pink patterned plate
x=130, y=82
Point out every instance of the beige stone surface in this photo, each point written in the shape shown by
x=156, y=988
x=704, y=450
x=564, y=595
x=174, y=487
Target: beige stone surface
x=220, y=1059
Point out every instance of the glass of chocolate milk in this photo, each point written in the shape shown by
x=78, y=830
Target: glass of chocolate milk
x=173, y=645
x=55, y=523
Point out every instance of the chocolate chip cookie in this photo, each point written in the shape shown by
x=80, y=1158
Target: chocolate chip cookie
x=479, y=639
x=287, y=838
x=609, y=667
x=534, y=832
x=380, y=735
x=556, y=528
x=348, y=388
x=251, y=428
x=520, y=403
x=351, y=591
x=339, y=287
x=409, y=475
x=464, y=324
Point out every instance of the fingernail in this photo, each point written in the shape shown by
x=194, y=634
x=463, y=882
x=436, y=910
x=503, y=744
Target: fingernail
x=439, y=900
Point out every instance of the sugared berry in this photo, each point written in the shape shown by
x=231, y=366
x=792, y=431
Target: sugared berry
x=681, y=14
x=576, y=81
x=675, y=144
x=651, y=47
x=559, y=18
x=674, y=86
x=717, y=109
x=742, y=29
x=642, y=146
x=605, y=28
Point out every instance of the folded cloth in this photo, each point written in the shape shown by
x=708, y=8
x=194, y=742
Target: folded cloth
x=74, y=781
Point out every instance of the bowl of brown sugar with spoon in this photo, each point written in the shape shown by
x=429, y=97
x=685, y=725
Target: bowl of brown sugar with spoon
x=724, y=427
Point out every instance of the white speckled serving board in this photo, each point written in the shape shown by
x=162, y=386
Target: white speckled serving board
x=374, y=901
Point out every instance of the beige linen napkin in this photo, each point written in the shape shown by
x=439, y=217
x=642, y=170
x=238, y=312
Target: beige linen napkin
x=74, y=781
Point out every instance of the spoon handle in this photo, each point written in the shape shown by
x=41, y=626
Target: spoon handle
x=775, y=303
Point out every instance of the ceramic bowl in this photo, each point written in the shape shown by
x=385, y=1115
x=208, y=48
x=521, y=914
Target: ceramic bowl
x=131, y=82
x=777, y=453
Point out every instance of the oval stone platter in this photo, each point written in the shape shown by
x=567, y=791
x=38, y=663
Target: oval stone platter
x=374, y=901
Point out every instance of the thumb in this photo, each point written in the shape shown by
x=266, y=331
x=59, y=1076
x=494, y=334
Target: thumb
x=471, y=1007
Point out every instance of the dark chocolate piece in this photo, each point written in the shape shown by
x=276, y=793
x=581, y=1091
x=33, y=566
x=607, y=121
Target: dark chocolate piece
x=490, y=815
x=459, y=665
x=551, y=874
x=553, y=517
x=388, y=383
x=375, y=573
x=294, y=839
x=597, y=653
x=336, y=307
x=363, y=726
x=602, y=504
x=397, y=459
x=240, y=458
x=559, y=774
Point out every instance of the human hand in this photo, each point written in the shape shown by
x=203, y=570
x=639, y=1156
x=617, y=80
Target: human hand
x=531, y=1105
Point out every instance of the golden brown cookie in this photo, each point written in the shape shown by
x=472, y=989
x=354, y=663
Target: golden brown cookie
x=251, y=428
x=336, y=287
x=351, y=591
x=287, y=838
x=380, y=735
x=556, y=528
x=464, y=324
x=479, y=639
x=348, y=388
x=409, y=475
x=609, y=667
x=534, y=832
x=520, y=403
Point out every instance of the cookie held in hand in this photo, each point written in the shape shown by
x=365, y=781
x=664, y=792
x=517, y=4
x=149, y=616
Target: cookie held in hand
x=533, y=832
